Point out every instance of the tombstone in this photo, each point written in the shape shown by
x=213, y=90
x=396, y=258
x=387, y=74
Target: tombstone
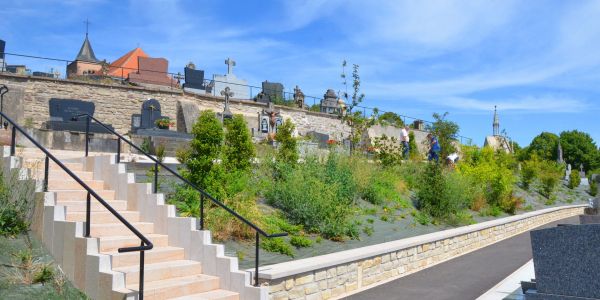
x=566, y=263
x=299, y=98
x=151, y=112
x=273, y=90
x=238, y=86
x=320, y=138
x=568, y=172
x=261, y=97
x=2, y=64
x=152, y=71
x=559, y=156
x=194, y=80
x=269, y=119
x=329, y=103
x=144, y=124
x=226, y=112
x=62, y=112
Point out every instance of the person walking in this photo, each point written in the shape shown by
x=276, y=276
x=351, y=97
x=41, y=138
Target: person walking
x=434, y=148
x=405, y=139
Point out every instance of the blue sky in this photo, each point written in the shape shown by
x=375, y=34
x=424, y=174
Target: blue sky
x=537, y=60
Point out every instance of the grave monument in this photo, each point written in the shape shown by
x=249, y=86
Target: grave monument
x=270, y=92
x=238, y=86
x=329, y=103
x=226, y=112
x=299, y=98
x=269, y=119
x=63, y=113
x=194, y=80
x=145, y=123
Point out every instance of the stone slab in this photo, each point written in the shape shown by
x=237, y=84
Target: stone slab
x=187, y=114
x=566, y=260
x=589, y=219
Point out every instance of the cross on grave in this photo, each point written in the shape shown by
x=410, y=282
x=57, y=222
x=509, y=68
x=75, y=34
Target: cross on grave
x=227, y=93
x=230, y=64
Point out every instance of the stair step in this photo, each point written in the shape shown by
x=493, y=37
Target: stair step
x=112, y=243
x=103, y=216
x=95, y=205
x=160, y=271
x=38, y=163
x=158, y=254
x=82, y=194
x=100, y=230
x=67, y=182
x=211, y=295
x=177, y=287
x=62, y=174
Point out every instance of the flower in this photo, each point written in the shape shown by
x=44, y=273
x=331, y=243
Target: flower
x=331, y=142
x=164, y=123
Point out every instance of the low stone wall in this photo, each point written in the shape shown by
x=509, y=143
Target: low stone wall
x=342, y=273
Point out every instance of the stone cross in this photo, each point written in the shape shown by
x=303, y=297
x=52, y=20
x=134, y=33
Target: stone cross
x=227, y=93
x=230, y=64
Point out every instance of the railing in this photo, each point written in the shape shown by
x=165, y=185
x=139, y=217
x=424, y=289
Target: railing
x=145, y=243
x=203, y=194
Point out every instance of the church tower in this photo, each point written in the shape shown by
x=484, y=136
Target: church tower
x=85, y=63
x=496, y=124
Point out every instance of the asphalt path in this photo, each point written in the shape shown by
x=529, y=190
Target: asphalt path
x=463, y=278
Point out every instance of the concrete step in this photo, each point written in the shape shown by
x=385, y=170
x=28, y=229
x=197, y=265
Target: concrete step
x=177, y=287
x=69, y=195
x=158, y=254
x=80, y=205
x=103, y=216
x=112, y=243
x=115, y=229
x=160, y=271
x=62, y=174
x=211, y=295
x=68, y=183
x=38, y=164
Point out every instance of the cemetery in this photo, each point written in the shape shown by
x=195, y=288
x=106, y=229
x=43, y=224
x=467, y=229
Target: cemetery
x=123, y=180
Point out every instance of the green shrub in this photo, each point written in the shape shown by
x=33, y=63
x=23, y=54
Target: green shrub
x=593, y=188
x=389, y=151
x=16, y=204
x=44, y=274
x=493, y=211
x=288, y=150
x=319, y=197
x=574, y=180
x=384, y=185
x=277, y=245
x=300, y=241
x=550, y=174
x=529, y=172
x=238, y=150
x=462, y=217
x=421, y=218
x=368, y=230
x=433, y=194
x=206, y=148
x=413, y=152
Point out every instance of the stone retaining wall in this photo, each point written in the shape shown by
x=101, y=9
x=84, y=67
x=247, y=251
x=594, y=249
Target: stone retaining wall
x=343, y=273
x=28, y=98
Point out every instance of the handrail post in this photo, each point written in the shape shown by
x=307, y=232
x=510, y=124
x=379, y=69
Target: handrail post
x=88, y=205
x=13, y=140
x=155, y=177
x=201, y=211
x=87, y=134
x=118, y=150
x=256, y=261
x=141, y=291
x=46, y=170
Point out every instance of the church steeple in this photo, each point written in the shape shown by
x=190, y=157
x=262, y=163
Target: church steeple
x=86, y=53
x=496, y=124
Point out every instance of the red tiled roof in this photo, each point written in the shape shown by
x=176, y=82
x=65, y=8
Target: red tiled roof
x=126, y=64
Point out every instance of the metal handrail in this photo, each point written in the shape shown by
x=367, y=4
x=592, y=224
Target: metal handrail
x=146, y=244
x=203, y=193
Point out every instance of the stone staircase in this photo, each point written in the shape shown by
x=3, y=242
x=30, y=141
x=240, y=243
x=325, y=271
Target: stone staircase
x=183, y=264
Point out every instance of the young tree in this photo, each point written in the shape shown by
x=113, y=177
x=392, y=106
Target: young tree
x=288, y=151
x=391, y=118
x=579, y=148
x=239, y=149
x=545, y=146
x=354, y=120
x=445, y=131
x=205, y=148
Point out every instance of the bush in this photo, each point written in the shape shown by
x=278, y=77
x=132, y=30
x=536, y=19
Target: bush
x=277, y=245
x=413, y=153
x=574, y=179
x=319, y=197
x=238, y=150
x=389, y=151
x=432, y=192
x=16, y=204
x=206, y=148
x=593, y=188
x=300, y=241
x=511, y=204
x=384, y=185
x=288, y=150
x=529, y=172
x=550, y=174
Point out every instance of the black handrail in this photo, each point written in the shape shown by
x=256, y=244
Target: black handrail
x=201, y=191
x=146, y=244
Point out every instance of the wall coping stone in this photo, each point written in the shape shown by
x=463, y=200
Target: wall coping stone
x=300, y=266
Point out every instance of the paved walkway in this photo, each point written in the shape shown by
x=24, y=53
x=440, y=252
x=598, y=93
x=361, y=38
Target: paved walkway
x=464, y=278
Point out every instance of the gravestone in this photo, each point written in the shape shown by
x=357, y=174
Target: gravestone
x=273, y=90
x=226, y=112
x=151, y=112
x=568, y=172
x=187, y=115
x=269, y=119
x=194, y=80
x=329, y=103
x=2, y=64
x=320, y=138
x=299, y=98
x=566, y=263
x=62, y=112
x=238, y=86
x=152, y=71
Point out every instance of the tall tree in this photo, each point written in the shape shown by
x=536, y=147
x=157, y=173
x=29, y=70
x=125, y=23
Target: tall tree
x=239, y=149
x=545, y=146
x=579, y=148
x=445, y=131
